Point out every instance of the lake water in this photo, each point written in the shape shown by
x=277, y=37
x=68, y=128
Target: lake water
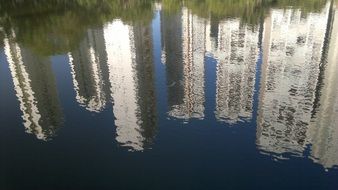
x=172, y=94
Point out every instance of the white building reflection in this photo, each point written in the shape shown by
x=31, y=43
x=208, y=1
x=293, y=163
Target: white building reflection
x=292, y=46
x=132, y=86
x=298, y=101
x=86, y=63
x=35, y=89
x=23, y=89
x=323, y=128
x=235, y=47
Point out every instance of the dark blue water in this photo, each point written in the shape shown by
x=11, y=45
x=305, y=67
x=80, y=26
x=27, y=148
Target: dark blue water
x=165, y=96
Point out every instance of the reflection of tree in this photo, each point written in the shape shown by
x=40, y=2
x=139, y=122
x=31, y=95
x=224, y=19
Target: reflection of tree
x=171, y=6
x=304, y=6
x=50, y=27
x=249, y=11
x=47, y=27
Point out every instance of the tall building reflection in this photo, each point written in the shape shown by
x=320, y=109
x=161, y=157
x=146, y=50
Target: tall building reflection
x=130, y=62
x=298, y=91
x=323, y=130
x=88, y=68
x=145, y=74
x=171, y=31
x=235, y=47
x=293, y=49
x=35, y=89
x=185, y=63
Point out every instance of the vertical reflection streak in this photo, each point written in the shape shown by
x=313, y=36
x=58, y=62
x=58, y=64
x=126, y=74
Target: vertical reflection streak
x=121, y=61
x=35, y=89
x=86, y=72
x=193, y=52
x=236, y=53
x=323, y=129
x=23, y=89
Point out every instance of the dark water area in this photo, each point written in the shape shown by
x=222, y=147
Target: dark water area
x=171, y=94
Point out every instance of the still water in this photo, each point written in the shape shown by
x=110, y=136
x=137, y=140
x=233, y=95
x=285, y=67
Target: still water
x=172, y=94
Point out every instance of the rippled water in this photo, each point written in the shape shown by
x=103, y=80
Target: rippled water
x=173, y=94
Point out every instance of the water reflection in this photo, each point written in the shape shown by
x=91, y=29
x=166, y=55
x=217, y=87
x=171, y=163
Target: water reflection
x=188, y=76
x=58, y=26
x=235, y=47
x=293, y=46
x=112, y=62
x=323, y=131
x=171, y=36
x=129, y=51
x=88, y=63
x=35, y=89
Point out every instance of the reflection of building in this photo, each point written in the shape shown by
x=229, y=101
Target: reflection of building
x=236, y=50
x=186, y=68
x=171, y=31
x=129, y=51
x=35, y=89
x=87, y=65
x=323, y=129
x=145, y=74
x=292, y=52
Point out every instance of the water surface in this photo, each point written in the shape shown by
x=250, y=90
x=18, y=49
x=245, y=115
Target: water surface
x=199, y=94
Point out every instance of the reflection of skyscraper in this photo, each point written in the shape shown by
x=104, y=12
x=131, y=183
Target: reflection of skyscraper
x=129, y=51
x=236, y=50
x=87, y=65
x=35, y=89
x=145, y=74
x=192, y=82
x=171, y=31
x=323, y=129
x=292, y=53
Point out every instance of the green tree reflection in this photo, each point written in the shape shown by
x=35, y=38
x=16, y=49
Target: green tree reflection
x=58, y=26
x=249, y=11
